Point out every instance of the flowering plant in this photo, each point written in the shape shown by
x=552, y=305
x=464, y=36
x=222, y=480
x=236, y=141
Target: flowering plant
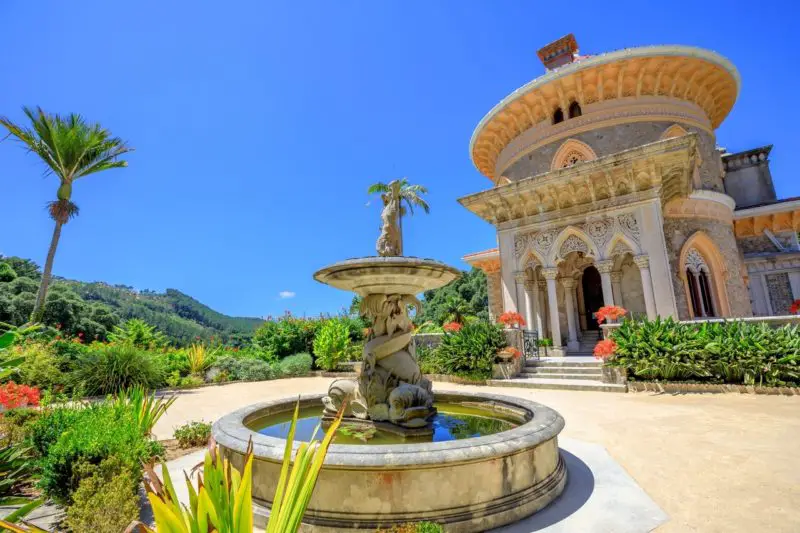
x=604, y=349
x=795, y=308
x=609, y=312
x=13, y=395
x=511, y=319
x=452, y=327
x=510, y=353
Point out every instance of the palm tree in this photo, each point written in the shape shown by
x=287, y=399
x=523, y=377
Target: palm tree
x=71, y=149
x=455, y=309
x=405, y=194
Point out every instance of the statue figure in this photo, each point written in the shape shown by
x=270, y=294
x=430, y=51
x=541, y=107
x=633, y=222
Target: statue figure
x=391, y=386
x=388, y=244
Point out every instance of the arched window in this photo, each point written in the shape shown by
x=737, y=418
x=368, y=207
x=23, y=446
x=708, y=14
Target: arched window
x=571, y=153
x=574, y=110
x=698, y=280
x=558, y=116
x=705, y=276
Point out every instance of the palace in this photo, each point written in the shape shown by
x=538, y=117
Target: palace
x=609, y=188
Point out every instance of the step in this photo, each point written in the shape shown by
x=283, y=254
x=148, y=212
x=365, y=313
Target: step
x=583, y=377
x=558, y=384
x=587, y=361
x=585, y=369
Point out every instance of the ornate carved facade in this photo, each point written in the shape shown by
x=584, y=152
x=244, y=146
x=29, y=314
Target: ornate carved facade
x=609, y=188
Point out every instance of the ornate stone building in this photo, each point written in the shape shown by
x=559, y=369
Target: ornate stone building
x=609, y=188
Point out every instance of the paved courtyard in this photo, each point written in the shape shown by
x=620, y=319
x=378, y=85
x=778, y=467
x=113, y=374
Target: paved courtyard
x=713, y=463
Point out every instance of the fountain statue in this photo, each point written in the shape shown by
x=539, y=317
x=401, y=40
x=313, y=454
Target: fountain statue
x=390, y=386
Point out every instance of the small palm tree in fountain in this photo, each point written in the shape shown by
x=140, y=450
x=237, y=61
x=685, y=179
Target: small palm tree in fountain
x=404, y=194
x=71, y=148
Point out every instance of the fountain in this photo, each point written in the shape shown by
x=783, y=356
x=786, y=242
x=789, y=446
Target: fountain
x=468, y=461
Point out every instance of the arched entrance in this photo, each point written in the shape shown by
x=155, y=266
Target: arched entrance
x=592, y=295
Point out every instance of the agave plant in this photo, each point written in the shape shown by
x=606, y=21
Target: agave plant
x=147, y=408
x=222, y=502
x=200, y=358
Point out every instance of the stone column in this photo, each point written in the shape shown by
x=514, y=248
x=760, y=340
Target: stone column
x=542, y=318
x=605, y=267
x=643, y=262
x=550, y=274
x=519, y=280
x=532, y=306
x=569, y=295
x=581, y=299
x=616, y=287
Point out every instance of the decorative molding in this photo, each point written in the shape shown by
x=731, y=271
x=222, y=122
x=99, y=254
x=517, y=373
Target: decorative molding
x=549, y=273
x=642, y=261
x=676, y=130
x=695, y=262
x=620, y=248
x=520, y=277
x=571, y=153
x=702, y=204
x=573, y=243
x=605, y=266
x=568, y=283
x=629, y=225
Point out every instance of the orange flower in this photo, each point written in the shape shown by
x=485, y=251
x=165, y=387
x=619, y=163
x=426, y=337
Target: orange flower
x=452, y=327
x=511, y=319
x=612, y=312
x=604, y=349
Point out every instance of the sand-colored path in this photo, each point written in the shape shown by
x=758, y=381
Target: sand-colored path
x=714, y=463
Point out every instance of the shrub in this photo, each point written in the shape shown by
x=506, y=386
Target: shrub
x=114, y=367
x=106, y=500
x=331, y=343
x=89, y=435
x=16, y=468
x=175, y=361
x=193, y=434
x=15, y=424
x=285, y=336
x=429, y=361
x=140, y=334
x=730, y=352
x=41, y=367
x=244, y=369
x=296, y=365
x=471, y=351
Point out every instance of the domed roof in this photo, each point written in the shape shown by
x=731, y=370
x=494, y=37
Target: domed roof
x=700, y=76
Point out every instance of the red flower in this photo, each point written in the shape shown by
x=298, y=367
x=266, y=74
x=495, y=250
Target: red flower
x=58, y=326
x=511, y=319
x=604, y=349
x=80, y=334
x=516, y=354
x=13, y=395
x=612, y=312
x=795, y=308
x=452, y=327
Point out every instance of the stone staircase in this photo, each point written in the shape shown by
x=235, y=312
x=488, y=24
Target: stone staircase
x=573, y=372
x=588, y=340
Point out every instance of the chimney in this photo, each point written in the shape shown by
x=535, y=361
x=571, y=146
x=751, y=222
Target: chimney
x=560, y=52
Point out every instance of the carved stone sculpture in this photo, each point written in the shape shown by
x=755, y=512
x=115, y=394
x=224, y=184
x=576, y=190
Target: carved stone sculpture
x=389, y=241
x=391, y=386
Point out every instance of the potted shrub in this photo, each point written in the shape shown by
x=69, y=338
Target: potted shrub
x=544, y=343
x=507, y=354
x=610, y=314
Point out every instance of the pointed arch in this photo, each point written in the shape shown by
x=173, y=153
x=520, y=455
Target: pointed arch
x=676, y=130
x=571, y=239
x=617, y=243
x=700, y=255
x=529, y=258
x=571, y=152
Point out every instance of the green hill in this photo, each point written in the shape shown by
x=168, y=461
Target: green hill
x=94, y=308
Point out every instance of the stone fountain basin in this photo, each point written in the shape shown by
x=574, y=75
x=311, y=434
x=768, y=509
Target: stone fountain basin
x=467, y=485
x=387, y=275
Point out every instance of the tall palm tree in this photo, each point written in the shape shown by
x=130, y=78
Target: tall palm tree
x=455, y=309
x=406, y=194
x=71, y=148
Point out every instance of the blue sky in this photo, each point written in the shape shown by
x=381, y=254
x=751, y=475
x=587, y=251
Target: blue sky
x=259, y=125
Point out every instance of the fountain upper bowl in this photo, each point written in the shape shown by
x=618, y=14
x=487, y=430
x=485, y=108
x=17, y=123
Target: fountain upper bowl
x=387, y=275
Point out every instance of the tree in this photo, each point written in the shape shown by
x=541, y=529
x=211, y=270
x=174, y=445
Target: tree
x=70, y=148
x=405, y=194
x=455, y=309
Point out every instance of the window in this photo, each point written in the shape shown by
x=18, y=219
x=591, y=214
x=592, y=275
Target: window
x=558, y=116
x=574, y=110
x=698, y=279
x=705, y=292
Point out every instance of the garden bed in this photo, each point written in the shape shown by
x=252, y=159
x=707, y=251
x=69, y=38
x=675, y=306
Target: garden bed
x=708, y=388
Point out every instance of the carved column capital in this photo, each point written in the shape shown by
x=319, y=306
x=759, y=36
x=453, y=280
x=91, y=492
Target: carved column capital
x=605, y=266
x=616, y=276
x=642, y=261
x=531, y=285
x=520, y=276
x=550, y=273
x=542, y=284
x=568, y=283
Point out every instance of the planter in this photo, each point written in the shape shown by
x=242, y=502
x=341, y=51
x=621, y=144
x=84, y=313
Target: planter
x=507, y=369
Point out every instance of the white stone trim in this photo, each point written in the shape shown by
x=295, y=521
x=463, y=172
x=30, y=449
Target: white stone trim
x=712, y=196
x=770, y=209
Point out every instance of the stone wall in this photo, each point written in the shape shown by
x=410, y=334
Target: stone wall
x=494, y=290
x=632, y=291
x=757, y=244
x=677, y=231
x=613, y=139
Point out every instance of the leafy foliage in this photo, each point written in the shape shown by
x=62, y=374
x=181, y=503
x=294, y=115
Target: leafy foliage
x=246, y=369
x=285, y=336
x=296, y=365
x=111, y=368
x=139, y=334
x=464, y=297
x=106, y=499
x=331, y=343
x=147, y=409
x=471, y=350
x=193, y=434
x=729, y=352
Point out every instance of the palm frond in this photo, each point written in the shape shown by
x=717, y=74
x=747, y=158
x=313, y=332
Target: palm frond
x=378, y=187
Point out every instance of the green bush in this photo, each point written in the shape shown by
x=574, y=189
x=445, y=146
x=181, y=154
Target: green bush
x=429, y=361
x=331, y=343
x=470, y=351
x=174, y=361
x=87, y=435
x=244, y=369
x=729, y=352
x=298, y=364
x=114, y=367
x=140, y=334
x=193, y=434
x=16, y=424
x=285, y=336
x=106, y=500
x=41, y=367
